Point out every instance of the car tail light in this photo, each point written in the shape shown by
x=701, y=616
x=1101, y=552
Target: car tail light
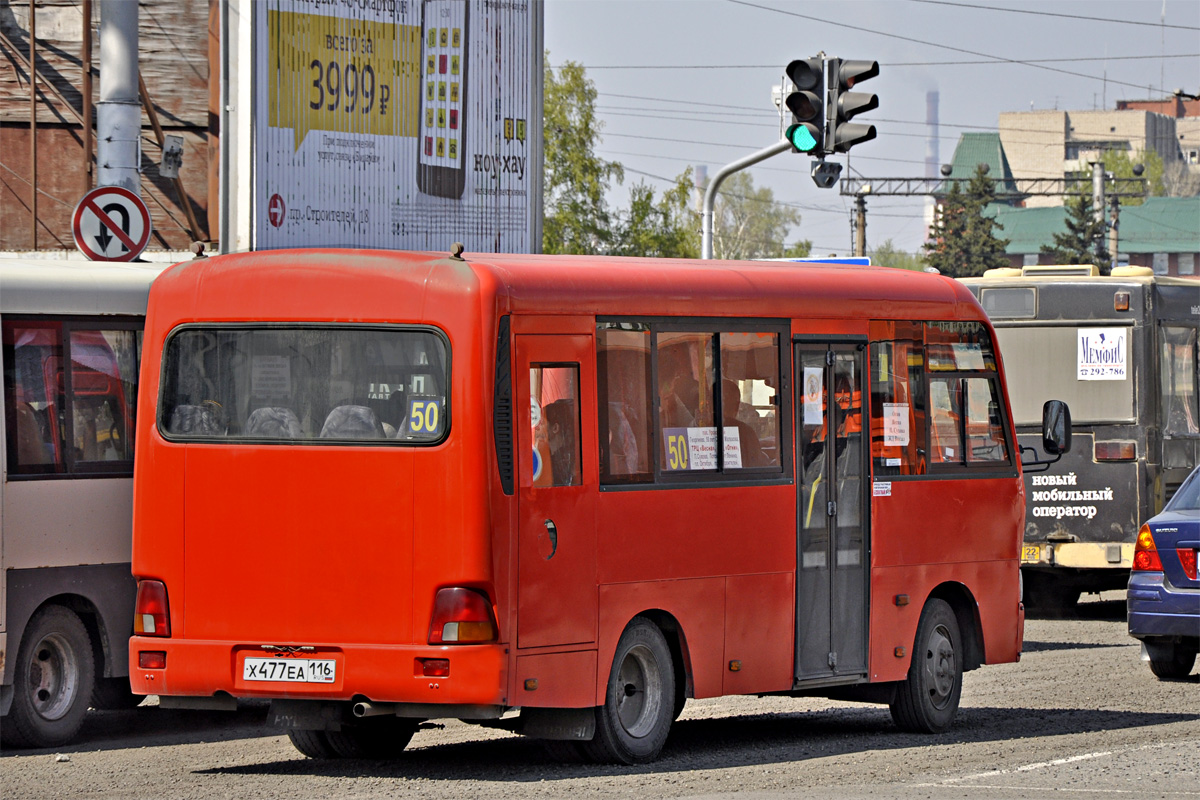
x=150, y=614
x=462, y=616
x=1145, y=554
x=1115, y=451
x=433, y=667
x=1187, y=557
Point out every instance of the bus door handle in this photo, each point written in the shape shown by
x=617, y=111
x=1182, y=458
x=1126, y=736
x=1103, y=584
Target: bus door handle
x=552, y=532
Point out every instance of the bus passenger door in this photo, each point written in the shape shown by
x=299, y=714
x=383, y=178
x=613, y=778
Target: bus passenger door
x=833, y=555
x=557, y=465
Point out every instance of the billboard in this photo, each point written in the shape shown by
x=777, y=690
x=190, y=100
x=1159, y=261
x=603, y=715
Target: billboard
x=398, y=124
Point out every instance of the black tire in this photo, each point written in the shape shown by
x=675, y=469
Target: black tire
x=633, y=723
x=564, y=752
x=1171, y=660
x=312, y=744
x=377, y=737
x=53, y=681
x=114, y=694
x=927, y=701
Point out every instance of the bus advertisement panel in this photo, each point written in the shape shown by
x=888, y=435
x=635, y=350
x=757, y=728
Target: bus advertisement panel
x=560, y=496
x=1121, y=351
x=384, y=124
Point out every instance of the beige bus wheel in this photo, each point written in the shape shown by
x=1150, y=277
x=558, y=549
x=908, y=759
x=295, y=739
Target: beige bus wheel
x=53, y=682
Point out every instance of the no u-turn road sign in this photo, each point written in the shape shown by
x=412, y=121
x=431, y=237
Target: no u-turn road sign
x=111, y=224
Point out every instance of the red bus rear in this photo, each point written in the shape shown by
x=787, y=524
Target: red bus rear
x=380, y=487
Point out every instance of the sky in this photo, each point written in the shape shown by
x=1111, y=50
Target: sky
x=689, y=82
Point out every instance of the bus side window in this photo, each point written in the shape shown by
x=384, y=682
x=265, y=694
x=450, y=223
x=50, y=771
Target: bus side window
x=897, y=379
x=1180, y=415
x=984, y=426
x=623, y=367
x=555, y=393
x=31, y=406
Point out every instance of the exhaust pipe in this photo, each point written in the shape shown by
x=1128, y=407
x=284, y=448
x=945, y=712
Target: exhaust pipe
x=362, y=710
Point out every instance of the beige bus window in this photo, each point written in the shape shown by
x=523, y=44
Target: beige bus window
x=32, y=355
x=1178, y=371
x=103, y=388
x=555, y=420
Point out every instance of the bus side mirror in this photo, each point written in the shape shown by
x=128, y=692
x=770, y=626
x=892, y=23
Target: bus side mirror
x=1056, y=428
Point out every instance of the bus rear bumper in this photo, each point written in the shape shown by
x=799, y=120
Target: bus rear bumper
x=1078, y=555
x=465, y=675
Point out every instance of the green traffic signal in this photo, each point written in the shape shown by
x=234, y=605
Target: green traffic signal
x=803, y=137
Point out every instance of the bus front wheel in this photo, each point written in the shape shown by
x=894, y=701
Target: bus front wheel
x=927, y=700
x=639, y=704
x=52, y=685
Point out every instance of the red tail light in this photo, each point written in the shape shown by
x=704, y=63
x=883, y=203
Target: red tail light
x=462, y=616
x=151, y=616
x=1115, y=451
x=1187, y=557
x=1145, y=554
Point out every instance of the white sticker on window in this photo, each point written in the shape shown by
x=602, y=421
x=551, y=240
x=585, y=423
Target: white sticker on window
x=895, y=424
x=271, y=377
x=733, y=447
x=1102, y=354
x=814, y=378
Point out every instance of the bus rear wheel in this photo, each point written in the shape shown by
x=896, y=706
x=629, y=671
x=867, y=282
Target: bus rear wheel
x=53, y=682
x=374, y=738
x=927, y=700
x=639, y=705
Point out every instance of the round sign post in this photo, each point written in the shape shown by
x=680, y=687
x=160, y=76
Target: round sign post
x=111, y=224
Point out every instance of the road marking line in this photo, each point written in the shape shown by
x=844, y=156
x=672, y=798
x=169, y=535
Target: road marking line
x=1029, y=767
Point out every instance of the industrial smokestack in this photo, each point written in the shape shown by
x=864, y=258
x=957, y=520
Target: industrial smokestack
x=119, y=111
x=932, y=162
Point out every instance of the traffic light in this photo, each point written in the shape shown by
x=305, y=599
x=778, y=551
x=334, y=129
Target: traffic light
x=845, y=104
x=807, y=104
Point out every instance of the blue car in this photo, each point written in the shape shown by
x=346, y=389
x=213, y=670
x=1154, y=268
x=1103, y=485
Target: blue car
x=1164, y=590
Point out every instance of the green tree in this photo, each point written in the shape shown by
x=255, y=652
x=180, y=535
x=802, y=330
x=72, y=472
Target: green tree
x=1084, y=240
x=748, y=223
x=798, y=249
x=887, y=255
x=576, y=217
x=964, y=243
x=1120, y=163
x=669, y=228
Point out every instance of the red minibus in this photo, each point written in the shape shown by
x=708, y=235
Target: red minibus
x=382, y=487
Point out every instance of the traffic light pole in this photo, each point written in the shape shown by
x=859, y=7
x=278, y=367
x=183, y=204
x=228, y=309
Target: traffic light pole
x=710, y=194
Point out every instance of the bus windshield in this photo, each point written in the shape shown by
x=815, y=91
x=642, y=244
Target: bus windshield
x=316, y=383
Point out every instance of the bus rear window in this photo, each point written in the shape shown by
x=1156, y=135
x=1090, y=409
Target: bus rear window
x=284, y=384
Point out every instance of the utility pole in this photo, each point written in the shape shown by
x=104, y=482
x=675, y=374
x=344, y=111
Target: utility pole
x=1113, y=224
x=1098, y=201
x=860, y=221
x=33, y=154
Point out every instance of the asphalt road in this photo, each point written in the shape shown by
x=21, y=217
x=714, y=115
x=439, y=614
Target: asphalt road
x=1079, y=717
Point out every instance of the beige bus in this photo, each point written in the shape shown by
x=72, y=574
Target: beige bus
x=71, y=348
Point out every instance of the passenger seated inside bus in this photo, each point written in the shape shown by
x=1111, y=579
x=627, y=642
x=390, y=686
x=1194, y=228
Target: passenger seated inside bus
x=750, y=447
x=562, y=421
